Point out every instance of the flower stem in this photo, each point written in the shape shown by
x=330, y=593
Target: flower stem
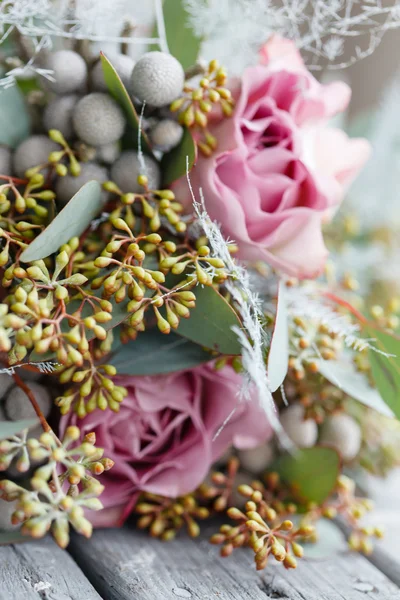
x=20, y=383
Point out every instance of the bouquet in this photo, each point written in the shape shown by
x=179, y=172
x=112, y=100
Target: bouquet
x=174, y=341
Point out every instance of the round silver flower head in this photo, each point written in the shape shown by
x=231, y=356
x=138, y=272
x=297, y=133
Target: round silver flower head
x=166, y=134
x=157, y=79
x=31, y=152
x=58, y=114
x=69, y=71
x=126, y=169
x=98, y=119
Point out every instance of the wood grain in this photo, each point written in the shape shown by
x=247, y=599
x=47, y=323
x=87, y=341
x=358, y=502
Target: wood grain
x=127, y=564
x=40, y=570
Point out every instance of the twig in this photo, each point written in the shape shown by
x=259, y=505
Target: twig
x=20, y=383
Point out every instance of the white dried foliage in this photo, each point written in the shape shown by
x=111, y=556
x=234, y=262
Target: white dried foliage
x=44, y=22
x=233, y=30
x=307, y=301
x=252, y=336
x=43, y=367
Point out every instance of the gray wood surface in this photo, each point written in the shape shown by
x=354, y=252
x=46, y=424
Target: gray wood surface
x=127, y=564
x=386, y=554
x=41, y=571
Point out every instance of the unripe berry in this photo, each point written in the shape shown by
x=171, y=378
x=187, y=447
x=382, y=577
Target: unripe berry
x=98, y=119
x=31, y=152
x=122, y=64
x=302, y=433
x=17, y=405
x=343, y=433
x=157, y=79
x=127, y=168
x=58, y=114
x=69, y=185
x=166, y=134
x=69, y=71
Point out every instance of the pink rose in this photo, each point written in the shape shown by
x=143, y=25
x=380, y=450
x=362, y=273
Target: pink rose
x=279, y=170
x=162, y=440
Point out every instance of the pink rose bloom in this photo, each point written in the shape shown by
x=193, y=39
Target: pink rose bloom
x=279, y=170
x=162, y=440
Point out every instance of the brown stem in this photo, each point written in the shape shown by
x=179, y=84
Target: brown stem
x=127, y=32
x=20, y=383
x=196, y=69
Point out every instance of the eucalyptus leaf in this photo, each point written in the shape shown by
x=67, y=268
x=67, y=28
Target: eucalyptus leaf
x=71, y=221
x=210, y=323
x=311, y=473
x=173, y=164
x=119, y=92
x=343, y=375
x=386, y=369
x=278, y=356
x=10, y=428
x=154, y=353
x=14, y=117
x=182, y=42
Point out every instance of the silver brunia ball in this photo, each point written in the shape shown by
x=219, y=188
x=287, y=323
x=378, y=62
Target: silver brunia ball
x=127, y=168
x=58, y=114
x=31, y=152
x=157, y=79
x=69, y=71
x=98, y=119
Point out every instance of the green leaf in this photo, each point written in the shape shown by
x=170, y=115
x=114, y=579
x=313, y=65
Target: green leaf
x=10, y=428
x=14, y=117
x=311, y=473
x=386, y=369
x=278, y=356
x=342, y=374
x=210, y=323
x=154, y=353
x=182, y=42
x=173, y=164
x=119, y=92
x=71, y=221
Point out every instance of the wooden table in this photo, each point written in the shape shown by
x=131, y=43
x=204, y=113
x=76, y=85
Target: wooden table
x=127, y=564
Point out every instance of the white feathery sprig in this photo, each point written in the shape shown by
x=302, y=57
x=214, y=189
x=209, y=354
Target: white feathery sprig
x=252, y=336
x=304, y=302
x=29, y=68
x=44, y=367
x=103, y=21
x=234, y=30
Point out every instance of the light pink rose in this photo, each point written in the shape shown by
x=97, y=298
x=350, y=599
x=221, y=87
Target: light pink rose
x=279, y=170
x=162, y=440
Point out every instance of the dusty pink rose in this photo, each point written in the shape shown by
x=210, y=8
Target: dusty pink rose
x=162, y=438
x=279, y=170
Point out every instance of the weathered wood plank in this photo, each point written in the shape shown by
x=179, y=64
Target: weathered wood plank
x=39, y=570
x=386, y=554
x=127, y=564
